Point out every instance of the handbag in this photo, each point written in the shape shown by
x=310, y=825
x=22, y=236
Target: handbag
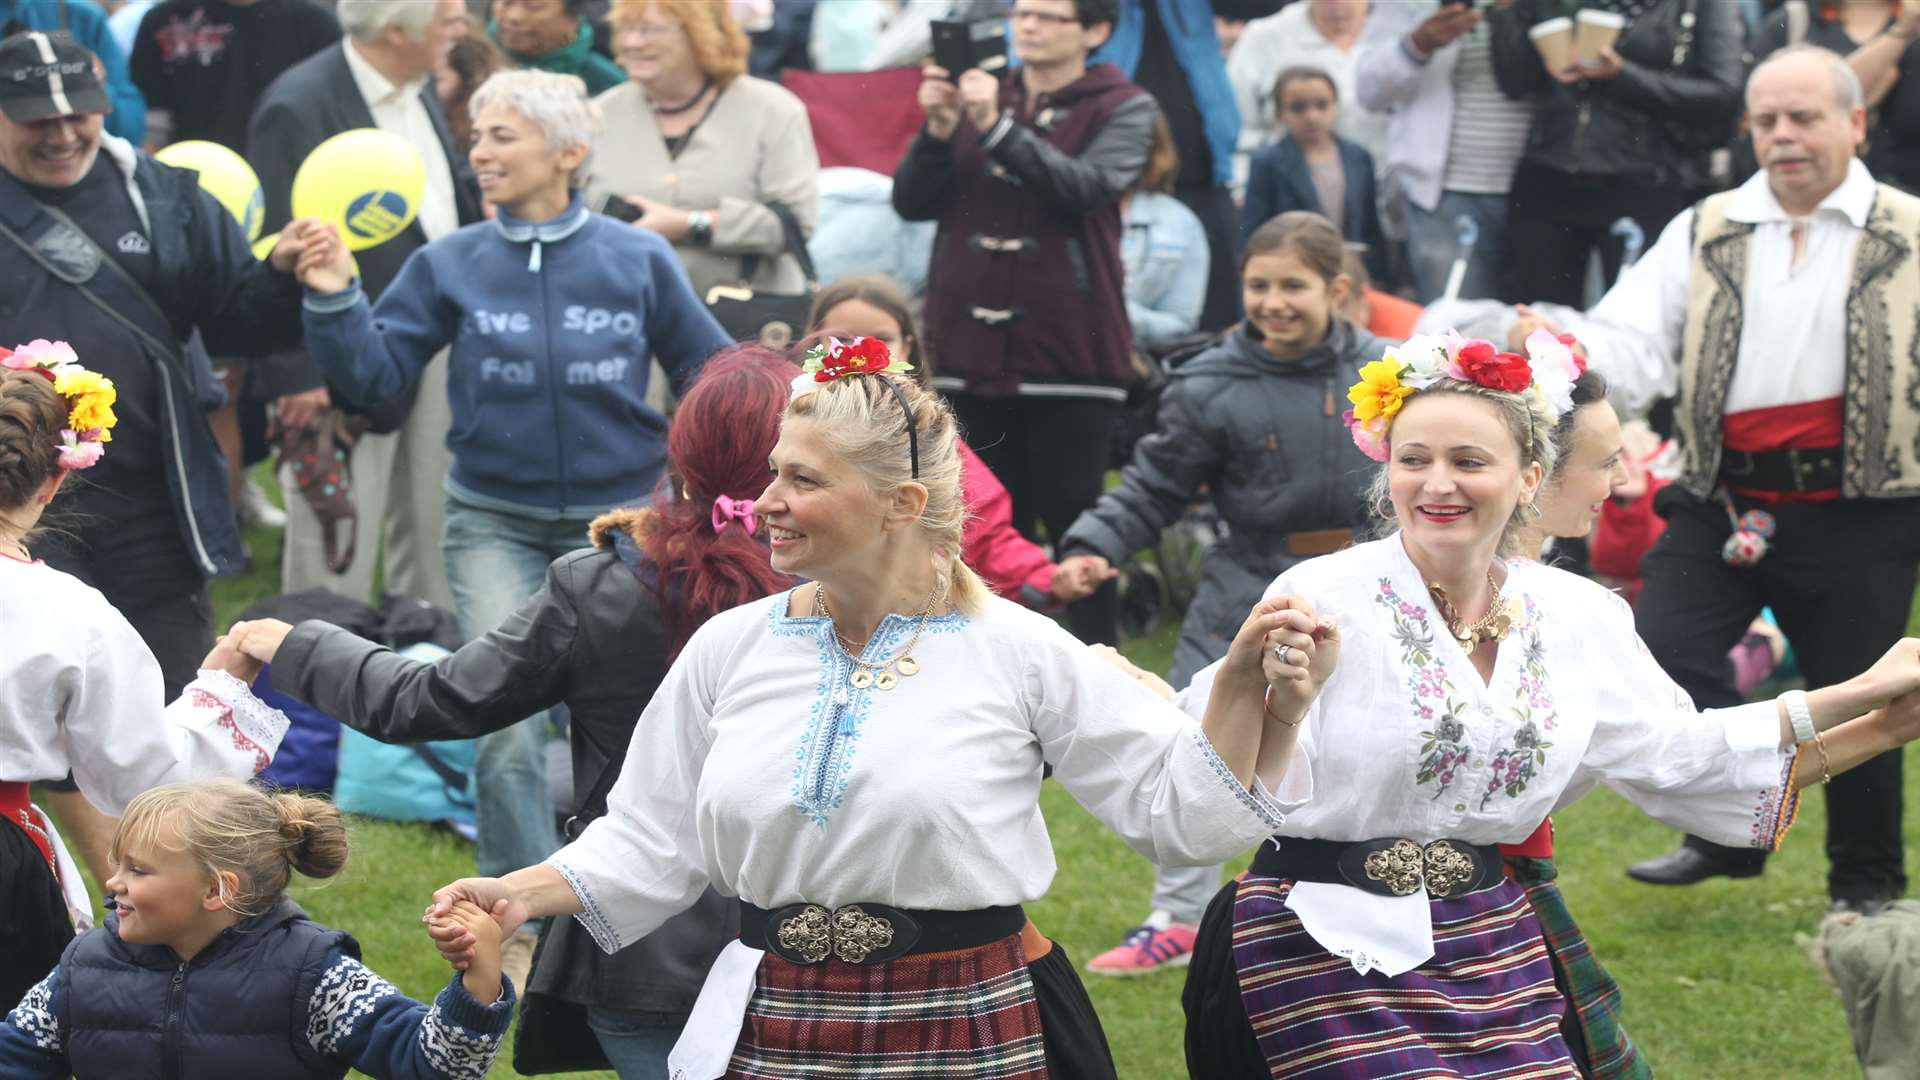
x=772, y=319
x=552, y=1034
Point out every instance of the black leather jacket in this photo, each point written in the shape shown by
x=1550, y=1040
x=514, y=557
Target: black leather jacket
x=591, y=638
x=1621, y=126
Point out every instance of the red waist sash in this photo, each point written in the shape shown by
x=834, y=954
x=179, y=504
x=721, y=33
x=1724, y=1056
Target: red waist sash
x=16, y=805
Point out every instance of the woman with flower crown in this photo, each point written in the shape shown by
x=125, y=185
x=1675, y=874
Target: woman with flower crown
x=858, y=760
x=1378, y=934
x=80, y=692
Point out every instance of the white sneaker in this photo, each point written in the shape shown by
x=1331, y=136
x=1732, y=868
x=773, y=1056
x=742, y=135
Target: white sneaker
x=256, y=509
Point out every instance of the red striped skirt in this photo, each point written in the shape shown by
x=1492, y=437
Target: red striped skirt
x=969, y=1013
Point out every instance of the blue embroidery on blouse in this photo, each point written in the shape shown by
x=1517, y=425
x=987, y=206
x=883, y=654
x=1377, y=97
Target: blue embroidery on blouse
x=823, y=762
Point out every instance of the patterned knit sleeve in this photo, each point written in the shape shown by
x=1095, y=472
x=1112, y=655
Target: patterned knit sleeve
x=32, y=1043
x=360, y=1019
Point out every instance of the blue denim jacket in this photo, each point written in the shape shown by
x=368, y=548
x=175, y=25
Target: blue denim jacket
x=1165, y=251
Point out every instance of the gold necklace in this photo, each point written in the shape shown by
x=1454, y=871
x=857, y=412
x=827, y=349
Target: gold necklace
x=885, y=674
x=1492, y=626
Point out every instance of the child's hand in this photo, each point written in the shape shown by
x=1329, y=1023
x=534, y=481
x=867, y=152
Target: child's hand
x=482, y=977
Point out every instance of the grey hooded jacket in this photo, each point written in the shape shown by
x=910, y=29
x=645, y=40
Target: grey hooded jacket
x=1262, y=437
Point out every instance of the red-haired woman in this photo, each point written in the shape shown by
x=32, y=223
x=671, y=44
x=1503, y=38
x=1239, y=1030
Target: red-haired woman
x=599, y=637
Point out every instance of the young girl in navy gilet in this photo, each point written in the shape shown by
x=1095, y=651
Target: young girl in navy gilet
x=206, y=967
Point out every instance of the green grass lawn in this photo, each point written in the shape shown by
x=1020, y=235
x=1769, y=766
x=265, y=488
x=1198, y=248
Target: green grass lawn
x=1716, y=977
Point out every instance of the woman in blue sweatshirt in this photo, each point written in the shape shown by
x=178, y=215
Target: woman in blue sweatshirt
x=552, y=312
x=206, y=969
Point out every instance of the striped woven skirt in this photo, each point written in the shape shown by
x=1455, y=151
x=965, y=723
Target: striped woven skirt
x=982, y=1014
x=1264, y=999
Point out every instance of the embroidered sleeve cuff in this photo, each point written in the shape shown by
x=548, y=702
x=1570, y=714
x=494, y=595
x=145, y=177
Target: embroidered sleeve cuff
x=254, y=720
x=335, y=302
x=1777, y=808
x=1256, y=800
x=590, y=916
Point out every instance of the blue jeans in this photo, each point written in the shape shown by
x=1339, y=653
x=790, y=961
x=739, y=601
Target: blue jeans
x=1433, y=242
x=636, y=1043
x=495, y=563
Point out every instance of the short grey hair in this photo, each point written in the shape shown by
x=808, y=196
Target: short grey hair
x=365, y=20
x=1846, y=83
x=557, y=104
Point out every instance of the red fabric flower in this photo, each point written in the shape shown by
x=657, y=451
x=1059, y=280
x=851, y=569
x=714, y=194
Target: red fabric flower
x=861, y=356
x=1579, y=361
x=1493, y=369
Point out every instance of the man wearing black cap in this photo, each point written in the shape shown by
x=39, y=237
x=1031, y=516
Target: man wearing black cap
x=123, y=257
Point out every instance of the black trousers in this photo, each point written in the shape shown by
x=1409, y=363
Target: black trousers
x=1558, y=219
x=1221, y=220
x=33, y=915
x=1052, y=455
x=1840, y=578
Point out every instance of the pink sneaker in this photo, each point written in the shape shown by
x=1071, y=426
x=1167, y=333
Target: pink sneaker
x=1147, y=949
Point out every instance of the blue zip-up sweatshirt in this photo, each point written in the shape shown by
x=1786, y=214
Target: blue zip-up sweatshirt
x=1189, y=27
x=277, y=995
x=551, y=325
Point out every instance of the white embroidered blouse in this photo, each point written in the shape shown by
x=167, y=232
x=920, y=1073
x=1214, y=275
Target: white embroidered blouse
x=758, y=769
x=80, y=692
x=1406, y=740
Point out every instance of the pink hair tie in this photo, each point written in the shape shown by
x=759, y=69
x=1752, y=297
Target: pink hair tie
x=726, y=508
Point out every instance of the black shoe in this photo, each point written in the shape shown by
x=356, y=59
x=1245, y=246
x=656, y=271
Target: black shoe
x=1686, y=866
x=1867, y=906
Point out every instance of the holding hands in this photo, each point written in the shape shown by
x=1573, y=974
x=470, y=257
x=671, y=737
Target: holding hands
x=481, y=976
x=323, y=266
x=459, y=942
x=1299, y=655
x=228, y=656
x=1077, y=576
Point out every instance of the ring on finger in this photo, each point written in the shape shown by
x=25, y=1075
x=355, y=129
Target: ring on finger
x=1280, y=653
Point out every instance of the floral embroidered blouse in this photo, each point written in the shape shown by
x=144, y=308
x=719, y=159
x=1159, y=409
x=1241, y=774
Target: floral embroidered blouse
x=1406, y=740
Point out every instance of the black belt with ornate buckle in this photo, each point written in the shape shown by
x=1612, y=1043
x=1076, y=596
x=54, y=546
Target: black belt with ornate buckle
x=1390, y=866
x=1782, y=470
x=871, y=933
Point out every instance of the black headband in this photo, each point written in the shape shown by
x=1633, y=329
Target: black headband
x=913, y=428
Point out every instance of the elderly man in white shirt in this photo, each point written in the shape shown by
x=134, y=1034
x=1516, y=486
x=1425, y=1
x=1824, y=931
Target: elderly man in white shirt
x=380, y=76
x=1784, y=316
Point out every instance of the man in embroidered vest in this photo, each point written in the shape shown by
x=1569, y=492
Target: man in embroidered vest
x=1026, y=292
x=1785, y=316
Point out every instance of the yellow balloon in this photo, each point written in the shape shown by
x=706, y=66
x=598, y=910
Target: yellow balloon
x=225, y=175
x=366, y=182
x=264, y=246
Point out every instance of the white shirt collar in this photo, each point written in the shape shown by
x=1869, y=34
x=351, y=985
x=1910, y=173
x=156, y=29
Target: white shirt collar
x=375, y=87
x=1755, y=204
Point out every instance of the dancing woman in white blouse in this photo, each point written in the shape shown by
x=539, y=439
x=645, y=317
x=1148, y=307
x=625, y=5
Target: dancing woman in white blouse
x=859, y=761
x=1378, y=935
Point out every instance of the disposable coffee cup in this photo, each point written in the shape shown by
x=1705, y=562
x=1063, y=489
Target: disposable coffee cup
x=1593, y=31
x=1554, y=39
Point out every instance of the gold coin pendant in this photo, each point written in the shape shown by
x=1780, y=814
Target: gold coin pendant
x=907, y=665
x=860, y=680
x=886, y=680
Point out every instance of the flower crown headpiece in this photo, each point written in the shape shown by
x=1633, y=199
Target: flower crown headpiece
x=836, y=359
x=1548, y=370
x=90, y=397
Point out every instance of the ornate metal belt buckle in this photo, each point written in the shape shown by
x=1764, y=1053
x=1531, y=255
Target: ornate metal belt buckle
x=1447, y=869
x=808, y=935
x=856, y=934
x=850, y=934
x=1397, y=867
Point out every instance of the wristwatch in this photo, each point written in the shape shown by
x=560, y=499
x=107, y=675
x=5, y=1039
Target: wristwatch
x=700, y=226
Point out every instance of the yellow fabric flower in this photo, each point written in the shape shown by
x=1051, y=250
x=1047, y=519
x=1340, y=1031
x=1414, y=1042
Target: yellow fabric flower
x=1379, y=391
x=90, y=398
